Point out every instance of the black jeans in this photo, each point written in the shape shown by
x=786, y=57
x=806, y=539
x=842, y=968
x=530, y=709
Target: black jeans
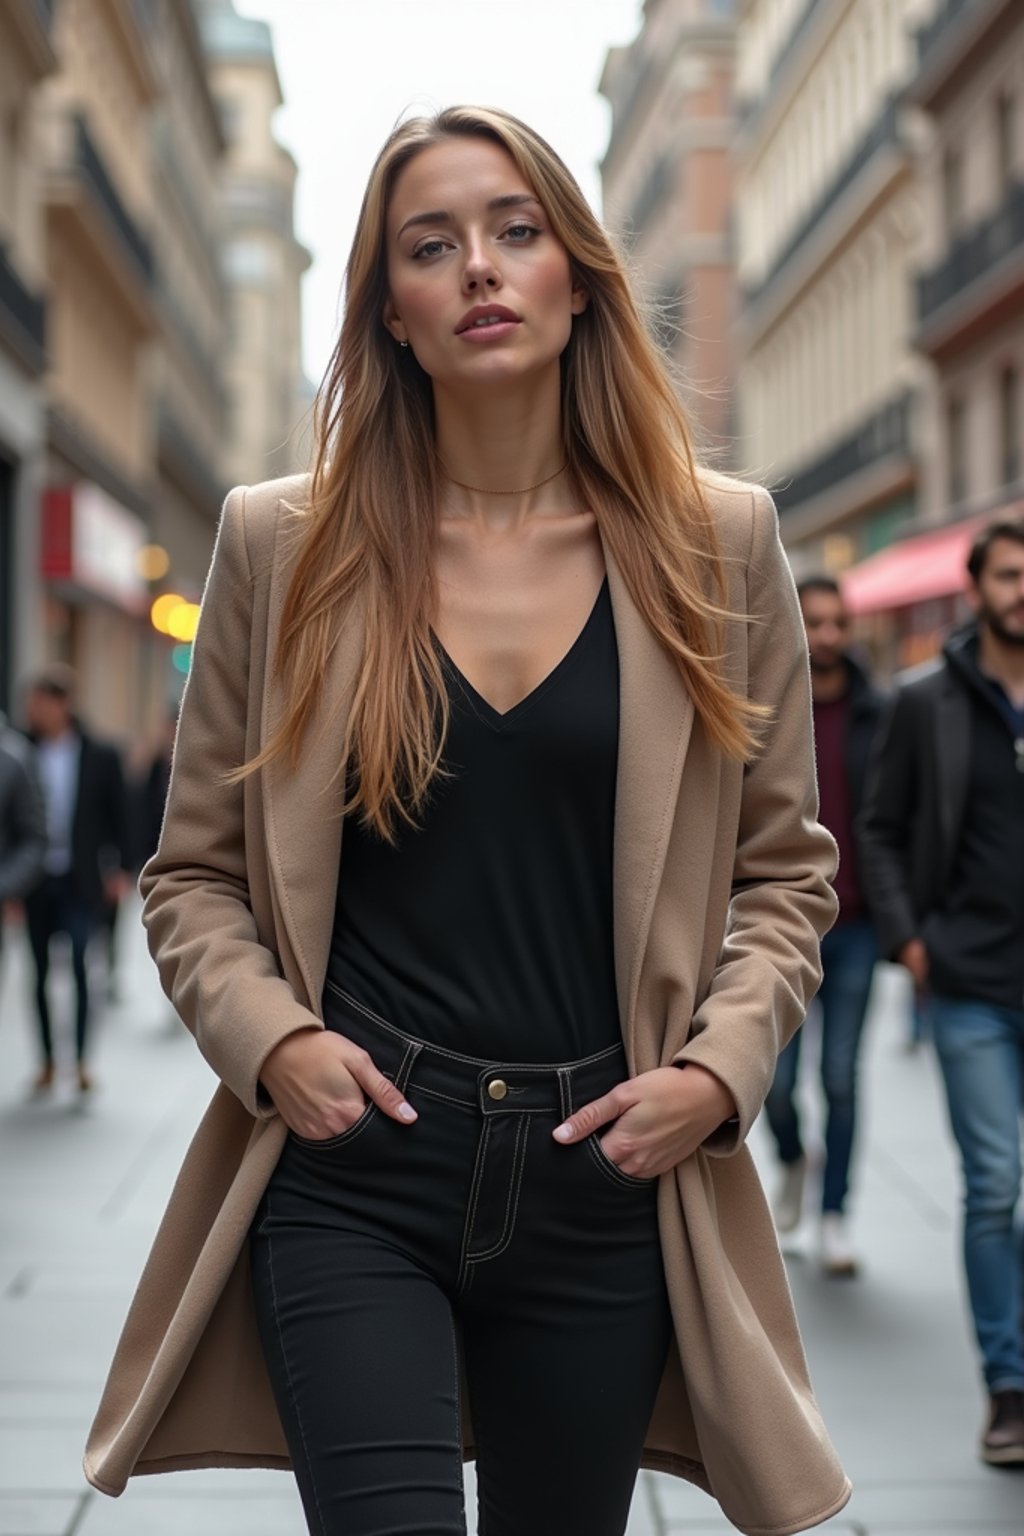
x=373, y=1251
x=56, y=907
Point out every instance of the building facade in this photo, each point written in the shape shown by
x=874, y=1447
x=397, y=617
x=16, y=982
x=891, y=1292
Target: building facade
x=27, y=58
x=125, y=412
x=828, y=220
x=190, y=395
x=91, y=118
x=967, y=322
x=263, y=261
x=667, y=192
x=970, y=292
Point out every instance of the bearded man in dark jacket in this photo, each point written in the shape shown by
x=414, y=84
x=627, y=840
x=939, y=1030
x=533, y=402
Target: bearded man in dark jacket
x=942, y=856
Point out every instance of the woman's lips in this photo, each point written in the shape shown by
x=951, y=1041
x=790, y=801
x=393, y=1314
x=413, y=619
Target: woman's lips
x=495, y=330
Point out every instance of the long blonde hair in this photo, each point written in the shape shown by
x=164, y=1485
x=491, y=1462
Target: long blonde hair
x=371, y=522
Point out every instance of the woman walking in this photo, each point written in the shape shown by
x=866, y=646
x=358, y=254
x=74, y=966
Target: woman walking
x=491, y=886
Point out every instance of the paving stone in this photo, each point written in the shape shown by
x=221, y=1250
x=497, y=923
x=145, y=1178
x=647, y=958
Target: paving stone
x=37, y=1515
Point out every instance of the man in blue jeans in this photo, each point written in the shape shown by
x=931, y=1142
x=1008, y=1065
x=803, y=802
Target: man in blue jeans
x=942, y=844
x=846, y=713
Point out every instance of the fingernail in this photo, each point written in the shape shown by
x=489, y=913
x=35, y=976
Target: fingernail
x=564, y=1133
x=406, y=1111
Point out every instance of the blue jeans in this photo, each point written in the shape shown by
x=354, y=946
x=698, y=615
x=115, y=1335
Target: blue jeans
x=981, y=1051
x=848, y=955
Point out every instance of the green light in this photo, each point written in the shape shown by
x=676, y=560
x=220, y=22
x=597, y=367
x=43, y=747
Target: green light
x=181, y=658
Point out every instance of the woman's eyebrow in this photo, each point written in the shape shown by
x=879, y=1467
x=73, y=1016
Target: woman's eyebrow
x=442, y=216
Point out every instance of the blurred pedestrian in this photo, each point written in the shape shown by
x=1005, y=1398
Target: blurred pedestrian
x=504, y=508
x=846, y=709
x=84, y=794
x=943, y=858
x=151, y=790
x=22, y=818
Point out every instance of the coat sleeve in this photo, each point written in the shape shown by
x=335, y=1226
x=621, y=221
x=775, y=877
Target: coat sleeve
x=25, y=834
x=885, y=821
x=223, y=981
x=769, y=966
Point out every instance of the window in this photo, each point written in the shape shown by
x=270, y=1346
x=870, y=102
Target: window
x=1009, y=424
x=952, y=190
x=1005, y=134
x=956, y=450
x=229, y=109
x=247, y=261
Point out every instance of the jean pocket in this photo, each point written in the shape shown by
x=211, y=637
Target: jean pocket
x=612, y=1171
x=343, y=1138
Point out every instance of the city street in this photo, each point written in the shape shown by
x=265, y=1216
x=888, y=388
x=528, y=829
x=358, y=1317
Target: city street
x=83, y=1188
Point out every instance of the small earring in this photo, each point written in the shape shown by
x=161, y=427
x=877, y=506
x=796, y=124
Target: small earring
x=403, y=343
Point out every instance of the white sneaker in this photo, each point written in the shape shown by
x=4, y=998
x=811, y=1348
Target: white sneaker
x=788, y=1205
x=837, y=1256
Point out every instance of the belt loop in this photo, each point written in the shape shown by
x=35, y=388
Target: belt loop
x=412, y=1050
x=565, y=1091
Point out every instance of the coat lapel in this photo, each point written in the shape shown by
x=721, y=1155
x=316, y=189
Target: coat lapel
x=302, y=804
x=655, y=721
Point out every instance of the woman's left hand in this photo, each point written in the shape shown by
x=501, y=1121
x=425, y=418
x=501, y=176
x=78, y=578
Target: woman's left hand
x=660, y=1118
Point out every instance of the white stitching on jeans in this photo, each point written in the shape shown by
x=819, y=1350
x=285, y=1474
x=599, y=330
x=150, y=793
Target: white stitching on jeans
x=613, y=1171
x=288, y=1375
x=433, y=1093
x=481, y=1150
x=512, y=1202
x=354, y=1131
x=477, y=1061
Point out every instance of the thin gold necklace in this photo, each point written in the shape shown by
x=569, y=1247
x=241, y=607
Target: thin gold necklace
x=482, y=491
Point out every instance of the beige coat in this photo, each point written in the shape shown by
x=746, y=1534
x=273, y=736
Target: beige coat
x=721, y=893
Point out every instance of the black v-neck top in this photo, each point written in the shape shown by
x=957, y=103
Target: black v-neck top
x=488, y=929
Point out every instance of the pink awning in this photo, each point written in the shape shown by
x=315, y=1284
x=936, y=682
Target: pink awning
x=912, y=571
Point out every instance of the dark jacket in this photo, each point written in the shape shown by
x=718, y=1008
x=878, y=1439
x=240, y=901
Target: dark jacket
x=99, y=833
x=22, y=817
x=866, y=705
x=910, y=824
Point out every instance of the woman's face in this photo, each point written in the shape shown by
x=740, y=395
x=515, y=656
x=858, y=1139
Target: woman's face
x=480, y=287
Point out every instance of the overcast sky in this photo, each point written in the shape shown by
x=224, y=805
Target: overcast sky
x=350, y=68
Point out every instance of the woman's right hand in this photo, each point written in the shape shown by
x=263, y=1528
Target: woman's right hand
x=320, y=1083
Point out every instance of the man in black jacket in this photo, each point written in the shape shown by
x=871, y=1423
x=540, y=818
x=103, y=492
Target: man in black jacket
x=84, y=793
x=942, y=847
x=846, y=713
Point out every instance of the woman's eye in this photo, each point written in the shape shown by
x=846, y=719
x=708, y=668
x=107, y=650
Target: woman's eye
x=428, y=248
x=521, y=233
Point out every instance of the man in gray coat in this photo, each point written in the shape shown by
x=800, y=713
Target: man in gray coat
x=22, y=818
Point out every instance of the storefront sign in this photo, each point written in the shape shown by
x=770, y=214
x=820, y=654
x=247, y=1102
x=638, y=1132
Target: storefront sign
x=91, y=542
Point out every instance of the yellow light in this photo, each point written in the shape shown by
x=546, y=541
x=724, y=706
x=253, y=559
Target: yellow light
x=160, y=613
x=184, y=621
x=152, y=562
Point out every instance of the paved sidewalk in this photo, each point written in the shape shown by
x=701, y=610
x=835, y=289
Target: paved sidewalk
x=83, y=1188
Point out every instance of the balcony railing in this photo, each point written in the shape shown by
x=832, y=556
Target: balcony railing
x=95, y=173
x=974, y=255
x=22, y=317
x=884, y=433
x=651, y=193
x=933, y=34
x=178, y=451
x=263, y=203
x=884, y=130
x=752, y=108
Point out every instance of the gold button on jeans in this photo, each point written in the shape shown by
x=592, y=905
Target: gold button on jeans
x=497, y=1088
